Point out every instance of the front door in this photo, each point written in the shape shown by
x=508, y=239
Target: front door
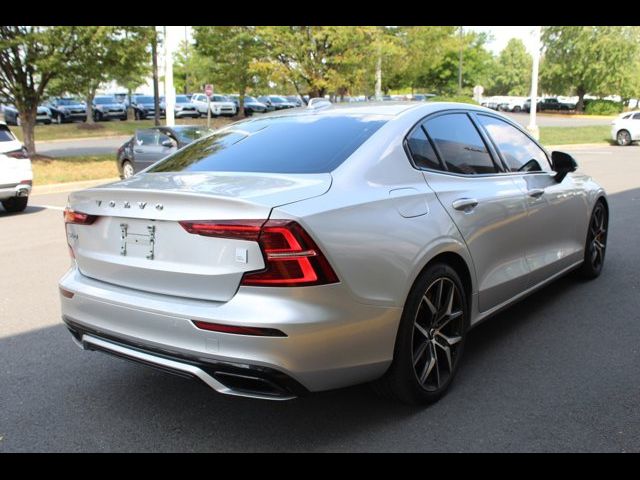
x=556, y=211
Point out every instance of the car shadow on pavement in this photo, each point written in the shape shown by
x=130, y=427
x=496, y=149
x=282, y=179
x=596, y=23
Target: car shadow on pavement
x=27, y=211
x=534, y=361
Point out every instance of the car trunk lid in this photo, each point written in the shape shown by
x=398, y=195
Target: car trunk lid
x=137, y=241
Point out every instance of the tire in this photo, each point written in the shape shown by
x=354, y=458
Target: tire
x=137, y=115
x=47, y=122
x=58, y=119
x=127, y=169
x=623, y=138
x=123, y=118
x=15, y=204
x=596, y=244
x=97, y=117
x=429, y=328
x=517, y=109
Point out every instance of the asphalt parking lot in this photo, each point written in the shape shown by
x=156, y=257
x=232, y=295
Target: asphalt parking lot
x=557, y=372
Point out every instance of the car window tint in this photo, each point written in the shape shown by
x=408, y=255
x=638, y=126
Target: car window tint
x=5, y=134
x=147, y=137
x=518, y=151
x=636, y=116
x=460, y=144
x=292, y=144
x=421, y=150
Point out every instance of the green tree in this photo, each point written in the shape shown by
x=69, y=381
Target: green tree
x=191, y=69
x=478, y=66
x=599, y=60
x=30, y=58
x=317, y=59
x=427, y=48
x=106, y=53
x=513, y=70
x=232, y=51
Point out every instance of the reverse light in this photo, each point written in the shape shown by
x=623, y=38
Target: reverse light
x=292, y=258
x=78, y=218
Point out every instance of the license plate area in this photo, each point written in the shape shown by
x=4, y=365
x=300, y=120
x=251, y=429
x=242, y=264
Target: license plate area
x=141, y=242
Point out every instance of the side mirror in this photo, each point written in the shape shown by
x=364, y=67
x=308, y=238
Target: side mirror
x=167, y=143
x=563, y=163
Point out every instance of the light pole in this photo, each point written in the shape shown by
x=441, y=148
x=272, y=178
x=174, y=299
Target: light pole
x=533, y=127
x=169, y=90
x=460, y=64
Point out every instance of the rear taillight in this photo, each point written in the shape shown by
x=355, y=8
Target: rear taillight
x=22, y=153
x=292, y=258
x=78, y=218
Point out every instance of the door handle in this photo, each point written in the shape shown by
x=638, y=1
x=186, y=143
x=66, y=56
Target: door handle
x=138, y=151
x=536, y=192
x=465, y=204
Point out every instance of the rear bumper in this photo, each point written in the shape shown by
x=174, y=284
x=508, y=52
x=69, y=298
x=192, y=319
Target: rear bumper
x=17, y=190
x=332, y=341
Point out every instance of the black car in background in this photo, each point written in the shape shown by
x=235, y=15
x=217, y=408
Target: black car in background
x=12, y=116
x=106, y=107
x=276, y=102
x=148, y=146
x=251, y=104
x=144, y=107
x=67, y=109
x=553, y=104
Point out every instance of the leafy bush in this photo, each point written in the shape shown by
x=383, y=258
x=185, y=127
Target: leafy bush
x=453, y=98
x=603, y=107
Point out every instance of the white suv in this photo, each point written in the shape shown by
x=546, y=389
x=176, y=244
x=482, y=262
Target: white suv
x=626, y=128
x=16, y=177
x=220, y=105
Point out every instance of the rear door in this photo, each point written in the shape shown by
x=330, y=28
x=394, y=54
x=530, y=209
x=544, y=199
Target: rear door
x=556, y=211
x=487, y=206
x=635, y=126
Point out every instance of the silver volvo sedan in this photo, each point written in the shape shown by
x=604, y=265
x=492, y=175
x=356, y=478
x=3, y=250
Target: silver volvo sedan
x=326, y=247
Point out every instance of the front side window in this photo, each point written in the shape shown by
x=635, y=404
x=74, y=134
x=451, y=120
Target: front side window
x=636, y=116
x=5, y=134
x=518, y=151
x=147, y=137
x=460, y=145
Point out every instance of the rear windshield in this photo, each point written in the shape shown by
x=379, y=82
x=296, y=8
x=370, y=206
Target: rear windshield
x=291, y=144
x=5, y=134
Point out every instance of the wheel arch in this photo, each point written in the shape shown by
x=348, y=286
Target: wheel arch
x=456, y=260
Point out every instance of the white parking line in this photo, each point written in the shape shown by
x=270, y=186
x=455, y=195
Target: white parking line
x=49, y=207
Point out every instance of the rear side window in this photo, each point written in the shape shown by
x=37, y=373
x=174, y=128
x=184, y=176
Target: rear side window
x=460, y=144
x=636, y=116
x=5, y=134
x=518, y=151
x=421, y=150
x=291, y=144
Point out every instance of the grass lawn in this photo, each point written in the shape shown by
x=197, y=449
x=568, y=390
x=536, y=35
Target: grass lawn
x=74, y=169
x=108, y=129
x=573, y=135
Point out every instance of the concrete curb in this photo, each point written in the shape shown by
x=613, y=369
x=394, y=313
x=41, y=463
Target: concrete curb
x=578, y=145
x=79, y=139
x=69, y=186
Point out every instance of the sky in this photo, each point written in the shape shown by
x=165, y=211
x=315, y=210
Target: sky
x=501, y=36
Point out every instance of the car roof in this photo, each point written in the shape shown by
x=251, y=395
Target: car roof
x=379, y=109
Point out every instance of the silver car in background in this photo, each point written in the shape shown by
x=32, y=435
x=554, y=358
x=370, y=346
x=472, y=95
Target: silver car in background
x=324, y=247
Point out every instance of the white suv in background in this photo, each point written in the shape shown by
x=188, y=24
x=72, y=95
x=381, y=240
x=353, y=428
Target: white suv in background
x=220, y=105
x=626, y=128
x=16, y=177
